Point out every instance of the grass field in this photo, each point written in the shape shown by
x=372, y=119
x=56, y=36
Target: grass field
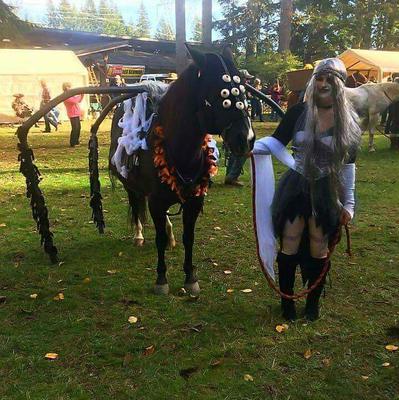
x=184, y=348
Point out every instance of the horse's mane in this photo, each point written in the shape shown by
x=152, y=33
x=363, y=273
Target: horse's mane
x=178, y=106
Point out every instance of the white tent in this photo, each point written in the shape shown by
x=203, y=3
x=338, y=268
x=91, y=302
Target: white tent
x=22, y=70
x=379, y=64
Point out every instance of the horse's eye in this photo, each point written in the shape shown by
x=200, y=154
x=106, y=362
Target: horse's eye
x=242, y=88
x=225, y=93
x=226, y=78
x=235, y=92
x=226, y=103
x=236, y=79
x=239, y=105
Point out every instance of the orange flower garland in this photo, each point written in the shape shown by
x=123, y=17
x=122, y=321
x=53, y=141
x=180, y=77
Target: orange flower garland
x=168, y=174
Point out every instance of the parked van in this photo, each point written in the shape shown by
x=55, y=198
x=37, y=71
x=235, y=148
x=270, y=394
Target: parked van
x=154, y=77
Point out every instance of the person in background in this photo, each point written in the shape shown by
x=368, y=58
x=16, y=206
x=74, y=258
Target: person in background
x=392, y=124
x=51, y=118
x=276, y=93
x=74, y=113
x=256, y=105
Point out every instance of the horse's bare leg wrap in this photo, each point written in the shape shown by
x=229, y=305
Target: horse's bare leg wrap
x=171, y=236
x=292, y=235
x=138, y=234
x=191, y=210
x=158, y=213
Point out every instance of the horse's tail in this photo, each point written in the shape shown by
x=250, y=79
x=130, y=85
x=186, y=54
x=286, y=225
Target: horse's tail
x=137, y=207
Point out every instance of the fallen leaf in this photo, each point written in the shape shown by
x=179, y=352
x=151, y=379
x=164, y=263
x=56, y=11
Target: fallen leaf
x=217, y=228
x=246, y=290
x=215, y=264
x=227, y=272
x=216, y=363
x=307, y=354
x=326, y=362
x=60, y=296
x=3, y=225
x=87, y=280
x=365, y=377
x=120, y=254
x=33, y=296
x=51, y=356
x=186, y=373
x=230, y=290
x=60, y=263
x=391, y=347
x=149, y=350
x=281, y=328
x=248, y=378
x=112, y=271
x=385, y=364
x=132, y=319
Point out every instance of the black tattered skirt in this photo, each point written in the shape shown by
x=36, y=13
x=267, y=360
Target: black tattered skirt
x=293, y=198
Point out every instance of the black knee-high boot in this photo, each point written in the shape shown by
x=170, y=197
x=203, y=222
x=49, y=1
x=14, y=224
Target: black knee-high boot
x=314, y=269
x=286, y=266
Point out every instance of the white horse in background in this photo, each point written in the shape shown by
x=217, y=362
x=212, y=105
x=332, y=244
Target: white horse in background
x=369, y=101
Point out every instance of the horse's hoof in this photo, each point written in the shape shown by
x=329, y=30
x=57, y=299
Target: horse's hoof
x=161, y=289
x=192, y=288
x=139, y=242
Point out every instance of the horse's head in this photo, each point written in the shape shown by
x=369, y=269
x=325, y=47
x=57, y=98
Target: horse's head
x=221, y=101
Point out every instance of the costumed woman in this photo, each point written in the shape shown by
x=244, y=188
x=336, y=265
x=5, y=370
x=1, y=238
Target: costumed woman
x=316, y=195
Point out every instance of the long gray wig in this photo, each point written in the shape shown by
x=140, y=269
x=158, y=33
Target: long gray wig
x=346, y=134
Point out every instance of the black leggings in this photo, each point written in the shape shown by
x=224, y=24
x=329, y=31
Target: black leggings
x=75, y=132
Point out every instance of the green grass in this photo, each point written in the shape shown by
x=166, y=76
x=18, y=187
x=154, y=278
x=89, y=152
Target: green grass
x=221, y=336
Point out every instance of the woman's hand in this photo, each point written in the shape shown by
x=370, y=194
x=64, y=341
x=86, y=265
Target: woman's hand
x=345, y=217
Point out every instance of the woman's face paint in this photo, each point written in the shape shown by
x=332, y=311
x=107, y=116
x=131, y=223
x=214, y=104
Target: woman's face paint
x=324, y=90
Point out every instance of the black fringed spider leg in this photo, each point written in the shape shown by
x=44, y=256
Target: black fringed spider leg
x=37, y=202
x=95, y=186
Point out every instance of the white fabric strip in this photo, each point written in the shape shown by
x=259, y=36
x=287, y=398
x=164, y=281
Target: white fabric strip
x=347, y=178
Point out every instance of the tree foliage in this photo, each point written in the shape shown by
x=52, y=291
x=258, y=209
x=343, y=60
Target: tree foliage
x=196, y=33
x=143, y=23
x=164, y=31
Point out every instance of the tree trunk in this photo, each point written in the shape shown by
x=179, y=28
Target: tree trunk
x=207, y=22
x=180, y=13
x=285, y=25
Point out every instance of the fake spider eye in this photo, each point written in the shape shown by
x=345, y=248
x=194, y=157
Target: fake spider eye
x=235, y=92
x=240, y=105
x=226, y=103
x=242, y=88
x=236, y=79
x=226, y=78
x=225, y=93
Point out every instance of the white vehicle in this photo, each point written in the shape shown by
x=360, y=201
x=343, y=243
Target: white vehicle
x=153, y=77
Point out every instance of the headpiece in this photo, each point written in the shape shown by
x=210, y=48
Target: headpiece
x=333, y=66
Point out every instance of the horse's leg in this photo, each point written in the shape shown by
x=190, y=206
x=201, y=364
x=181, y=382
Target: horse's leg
x=171, y=236
x=372, y=123
x=191, y=210
x=137, y=208
x=158, y=211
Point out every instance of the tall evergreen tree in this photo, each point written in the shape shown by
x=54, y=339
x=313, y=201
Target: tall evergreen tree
x=196, y=34
x=68, y=16
x=52, y=18
x=164, y=31
x=89, y=17
x=143, y=27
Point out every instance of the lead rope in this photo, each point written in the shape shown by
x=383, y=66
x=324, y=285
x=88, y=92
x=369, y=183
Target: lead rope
x=326, y=266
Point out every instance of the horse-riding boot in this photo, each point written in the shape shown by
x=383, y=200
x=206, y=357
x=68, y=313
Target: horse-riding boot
x=287, y=267
x=314, y=270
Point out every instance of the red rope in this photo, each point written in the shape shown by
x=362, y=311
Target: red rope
x=326, y=266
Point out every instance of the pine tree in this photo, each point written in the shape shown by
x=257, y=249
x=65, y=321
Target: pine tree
x=143, y=23
x=52, y=18
x=68, y=16
x=89, y=17
x=197, y=30
x=164, y=31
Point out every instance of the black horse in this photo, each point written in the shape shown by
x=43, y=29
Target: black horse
x=208, y=98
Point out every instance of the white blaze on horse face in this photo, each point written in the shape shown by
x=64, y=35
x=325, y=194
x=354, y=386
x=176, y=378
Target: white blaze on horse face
x=251, y=133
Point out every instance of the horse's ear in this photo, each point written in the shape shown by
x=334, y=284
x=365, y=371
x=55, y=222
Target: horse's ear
x=228, y=53
x=198, y=57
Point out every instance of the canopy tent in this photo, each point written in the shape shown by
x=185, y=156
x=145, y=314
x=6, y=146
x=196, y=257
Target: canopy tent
x=22, y=70
x=379, y=64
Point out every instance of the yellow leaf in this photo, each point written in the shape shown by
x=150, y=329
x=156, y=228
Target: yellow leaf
x=230, y=290
x=280, y=328
x=215, y=264
x=3, y=225
x=120, y=254
x=391, y=347
x=87, y=280
x=326, y=362
x=51, y=356
x=112, y=271
x=285, y=326
x=217, y=228
x=33, y=296
x=149, y=350
x=385, y=364
x=365, y=377
x=132, y=319
x=60, y=296
x=307, y=354
x=246, y=290
x=248, y=378
x=227, y=272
